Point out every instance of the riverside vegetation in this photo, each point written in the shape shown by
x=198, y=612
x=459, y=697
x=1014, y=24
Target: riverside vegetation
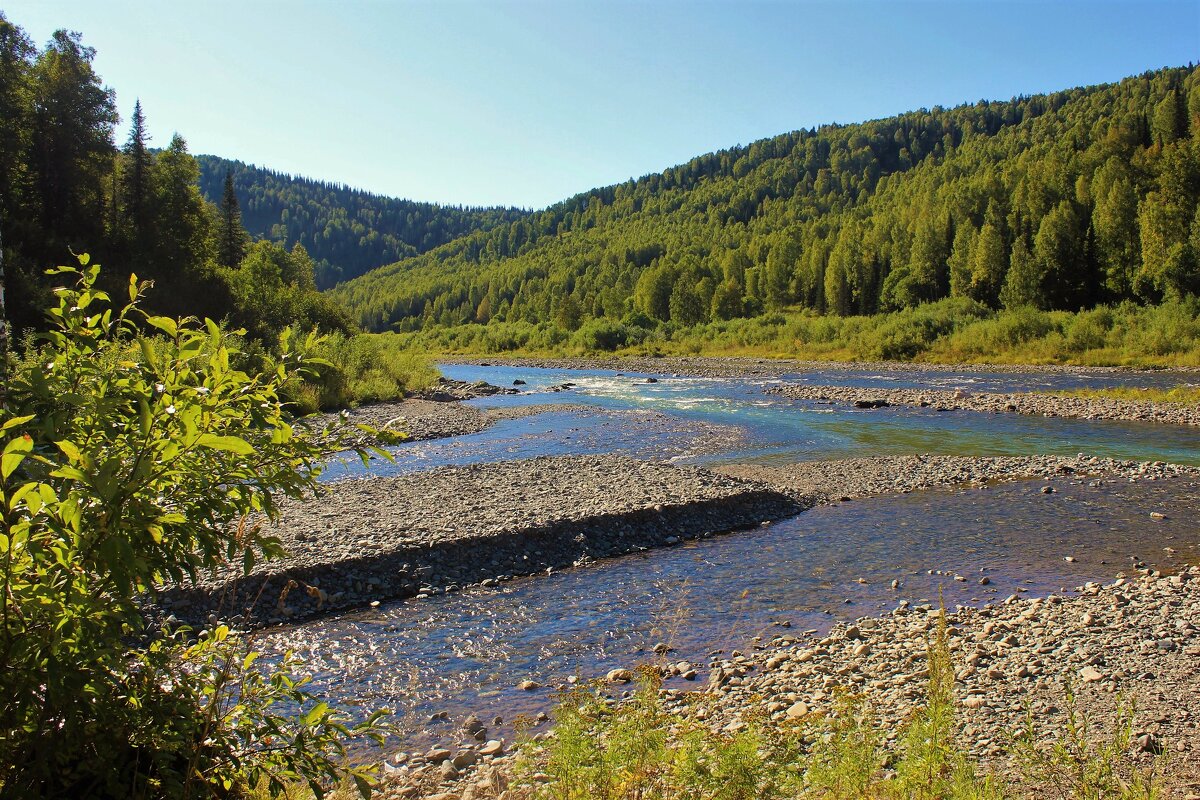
x=132, y=454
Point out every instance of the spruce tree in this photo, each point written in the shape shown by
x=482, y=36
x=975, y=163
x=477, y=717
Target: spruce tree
x=231, y=248
x=136, y=185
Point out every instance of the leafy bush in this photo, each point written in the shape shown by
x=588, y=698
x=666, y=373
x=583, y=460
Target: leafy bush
x=599, y=334
x=129, y=463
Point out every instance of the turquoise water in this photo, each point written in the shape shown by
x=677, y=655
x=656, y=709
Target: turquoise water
x=776, y=429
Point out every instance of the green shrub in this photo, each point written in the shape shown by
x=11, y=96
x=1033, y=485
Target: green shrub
x=602, y=751
x=599, y=334
x=1078, y=764
x=129, y=463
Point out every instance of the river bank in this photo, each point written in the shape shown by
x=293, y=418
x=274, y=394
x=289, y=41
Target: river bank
x=365, y=541
x=1026, y=668
x=1132, y=643
x=1136, y=639
x=1036, y=403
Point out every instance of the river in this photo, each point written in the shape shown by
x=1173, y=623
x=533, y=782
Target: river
x=466, y=652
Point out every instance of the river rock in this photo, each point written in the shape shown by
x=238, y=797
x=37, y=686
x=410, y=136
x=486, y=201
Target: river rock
x=619, y=676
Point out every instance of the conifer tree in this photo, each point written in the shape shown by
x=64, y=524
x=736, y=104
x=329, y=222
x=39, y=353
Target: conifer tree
x=231, y=247
x=988, y=264
x=135, y=199
x=685, y=302
x=1022, y=285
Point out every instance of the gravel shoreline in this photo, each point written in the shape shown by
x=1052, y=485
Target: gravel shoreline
x=819, y=482
x=1136, y=640
x=746, y=366
x=1141, y=635
x=1047, y=405
x=364, y=541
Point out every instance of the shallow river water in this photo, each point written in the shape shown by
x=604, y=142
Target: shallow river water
x=466, y=652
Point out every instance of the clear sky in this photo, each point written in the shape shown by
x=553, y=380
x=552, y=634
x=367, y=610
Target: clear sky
x=526, y=103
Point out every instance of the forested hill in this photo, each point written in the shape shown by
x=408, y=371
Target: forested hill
x=1057, y=201
x=345, y=231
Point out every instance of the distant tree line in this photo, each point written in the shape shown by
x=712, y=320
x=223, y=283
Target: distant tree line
x=346, y=231
x=1058, y=201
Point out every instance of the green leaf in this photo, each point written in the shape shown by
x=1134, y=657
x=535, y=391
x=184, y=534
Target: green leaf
x=315, y=714
x=145, y=419
x=164, y=324
x=147, y=352
x=15, y=421
x=14, y=453
x=70, y=473
x=70, y=451
x=231, y=444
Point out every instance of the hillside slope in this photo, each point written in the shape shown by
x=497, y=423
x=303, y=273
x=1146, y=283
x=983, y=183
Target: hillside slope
x=346, y=231
x=1057, y=201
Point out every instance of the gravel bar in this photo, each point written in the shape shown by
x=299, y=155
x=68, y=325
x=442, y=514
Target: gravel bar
x=421, y=420
x=820, y=482
x=369, y=540
x=1138, y=637
x=1046, y=405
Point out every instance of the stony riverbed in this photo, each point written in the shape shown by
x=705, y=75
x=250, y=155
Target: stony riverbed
x=1135, y=640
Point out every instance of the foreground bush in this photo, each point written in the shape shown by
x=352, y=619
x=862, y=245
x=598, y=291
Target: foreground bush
x=128, y=463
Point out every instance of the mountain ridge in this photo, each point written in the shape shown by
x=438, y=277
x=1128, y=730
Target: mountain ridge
x=347, y=231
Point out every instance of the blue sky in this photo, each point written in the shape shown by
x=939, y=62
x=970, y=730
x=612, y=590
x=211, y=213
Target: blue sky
x=525, y=103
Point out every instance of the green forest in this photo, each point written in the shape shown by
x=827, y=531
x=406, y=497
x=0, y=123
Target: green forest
x=1065, y=201
x=345, y=231
x=68, y=188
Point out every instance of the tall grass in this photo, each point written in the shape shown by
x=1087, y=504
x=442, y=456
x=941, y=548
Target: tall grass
x=362, y=368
